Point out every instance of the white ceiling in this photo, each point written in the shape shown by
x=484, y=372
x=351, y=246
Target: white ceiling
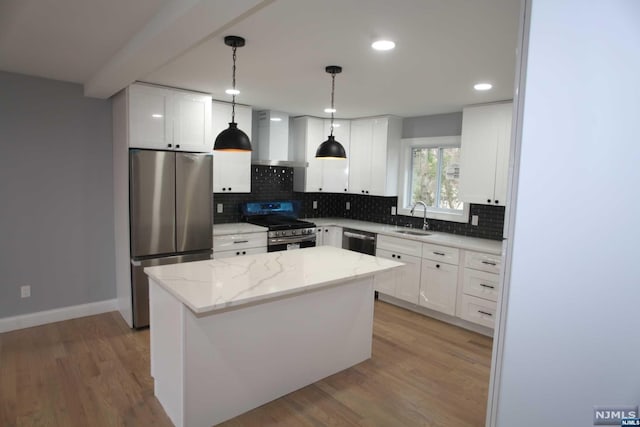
x=443, y=48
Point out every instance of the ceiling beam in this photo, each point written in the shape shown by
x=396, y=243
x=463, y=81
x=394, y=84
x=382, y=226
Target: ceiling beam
x=178, y=27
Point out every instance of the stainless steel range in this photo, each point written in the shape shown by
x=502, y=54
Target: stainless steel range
x=286, y=231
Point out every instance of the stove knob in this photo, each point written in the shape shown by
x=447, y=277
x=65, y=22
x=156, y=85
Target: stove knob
x=294, y=232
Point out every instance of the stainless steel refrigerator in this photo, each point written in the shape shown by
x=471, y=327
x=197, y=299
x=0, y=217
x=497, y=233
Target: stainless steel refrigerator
x=171, y=215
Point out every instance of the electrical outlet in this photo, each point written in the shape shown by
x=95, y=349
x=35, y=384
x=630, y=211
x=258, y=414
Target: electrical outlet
x=220, y=207
x=315, y=204
x=474, y=220
x=348, y=205
x=393, y=210
x=25, y=291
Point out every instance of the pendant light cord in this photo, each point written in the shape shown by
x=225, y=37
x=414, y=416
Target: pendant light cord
x=233, y=96
x=333, y=88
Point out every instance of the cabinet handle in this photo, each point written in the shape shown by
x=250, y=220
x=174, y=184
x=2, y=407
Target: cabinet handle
x=439, y=253
x=244, y=252
x=229, y=188
x=169, y=145
x=224, y=189
x=237, y=253
x=489, y=263
x=320, y=189
x=497, y=201
x=484, y=312
x=177, y=145
x=488, y=200
x=326, y=230
x=487, y=286
x=399, y=257
x=240, y=241
x=367, y=191
x=345, y=189
x=362, y=191
x=393, y=255
x=437, y=265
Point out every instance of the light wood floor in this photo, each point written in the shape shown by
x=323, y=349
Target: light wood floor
x=94, y=371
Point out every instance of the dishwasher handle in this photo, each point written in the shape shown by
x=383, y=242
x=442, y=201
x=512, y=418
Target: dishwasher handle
x=358, y=236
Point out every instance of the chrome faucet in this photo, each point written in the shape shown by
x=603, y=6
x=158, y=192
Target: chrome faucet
x=425, y=224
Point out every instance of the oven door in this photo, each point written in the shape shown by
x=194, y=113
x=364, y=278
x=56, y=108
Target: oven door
x=292, y=242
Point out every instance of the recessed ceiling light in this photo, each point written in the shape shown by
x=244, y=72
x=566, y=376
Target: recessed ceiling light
x=276, y=119
x=329, y=110
x=383, y=45
x=232, y=92
x=482, y=86
x=156, y=116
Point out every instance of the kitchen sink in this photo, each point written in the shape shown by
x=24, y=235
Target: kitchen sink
x=413, y=232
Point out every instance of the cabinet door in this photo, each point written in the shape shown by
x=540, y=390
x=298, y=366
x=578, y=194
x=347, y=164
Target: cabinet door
x=385, y=282
x=408, y=278
x=313, y=136
x=360, y=159
x=333, y=236
x=335, y=172
x=438, y=286
x=478, y=154
x=503, y=145
x=319, y=236
x=378, y=150
x=192, y=122
x=150, y=122
x=231, y=172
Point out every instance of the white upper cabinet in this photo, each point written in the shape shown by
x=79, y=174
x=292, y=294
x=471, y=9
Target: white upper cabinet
x=484, y=155
x=231, y=171
x=321, y=175
x=375, y=154
x=169, y=119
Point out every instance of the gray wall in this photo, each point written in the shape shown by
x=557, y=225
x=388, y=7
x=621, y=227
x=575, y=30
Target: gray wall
x=56, y=195
x=571, y=335
x=432, y=126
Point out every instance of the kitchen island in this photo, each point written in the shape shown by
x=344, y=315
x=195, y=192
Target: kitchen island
x=230, y=335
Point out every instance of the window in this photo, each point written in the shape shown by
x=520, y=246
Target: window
x=431, y=168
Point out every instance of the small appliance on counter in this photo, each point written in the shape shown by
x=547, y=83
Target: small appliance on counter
x=171, y=215
x=285, y=230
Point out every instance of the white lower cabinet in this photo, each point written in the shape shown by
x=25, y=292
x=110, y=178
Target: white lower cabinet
x=239, y=252
x=439, y=286
x=403, y=283
x=480, y=288
x=239, y=244
x=329, y=235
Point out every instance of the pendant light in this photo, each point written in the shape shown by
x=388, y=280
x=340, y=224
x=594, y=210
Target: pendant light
x=232, y=138
x=331, y=149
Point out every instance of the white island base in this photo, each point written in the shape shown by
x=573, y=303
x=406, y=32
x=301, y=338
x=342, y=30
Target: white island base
x=213, y=366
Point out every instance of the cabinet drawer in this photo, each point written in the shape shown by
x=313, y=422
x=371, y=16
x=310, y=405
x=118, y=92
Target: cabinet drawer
x=478, y=310
x=481, y=284
x=440, y=253
x=239, y=252
x=398, y=245
x=232, y=242
x=482, y=261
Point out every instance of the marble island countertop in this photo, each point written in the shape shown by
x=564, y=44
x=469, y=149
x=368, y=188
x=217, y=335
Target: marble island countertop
x=206, y=286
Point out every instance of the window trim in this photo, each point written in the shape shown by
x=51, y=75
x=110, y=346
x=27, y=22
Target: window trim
x=404, y=179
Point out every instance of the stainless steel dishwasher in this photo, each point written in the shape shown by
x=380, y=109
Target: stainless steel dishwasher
x=359, y=241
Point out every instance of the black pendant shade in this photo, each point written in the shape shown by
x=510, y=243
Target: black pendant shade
x=232, y=139
x=331, y=149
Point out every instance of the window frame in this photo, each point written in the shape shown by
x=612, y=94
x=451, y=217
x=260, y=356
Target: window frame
x=404, y=181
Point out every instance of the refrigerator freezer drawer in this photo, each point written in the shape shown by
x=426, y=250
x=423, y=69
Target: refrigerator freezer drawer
x=140, y=282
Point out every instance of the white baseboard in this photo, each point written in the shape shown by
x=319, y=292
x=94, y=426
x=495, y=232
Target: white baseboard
x=49, y=316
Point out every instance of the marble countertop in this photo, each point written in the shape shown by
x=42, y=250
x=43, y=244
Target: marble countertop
x=206, y=286
x=236, y=228
x=438, y=238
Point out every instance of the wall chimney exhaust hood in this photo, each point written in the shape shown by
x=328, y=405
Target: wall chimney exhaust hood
x=273, y=140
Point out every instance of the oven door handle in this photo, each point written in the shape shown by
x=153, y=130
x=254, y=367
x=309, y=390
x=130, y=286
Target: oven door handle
x=291, y=239
x=351, y=235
